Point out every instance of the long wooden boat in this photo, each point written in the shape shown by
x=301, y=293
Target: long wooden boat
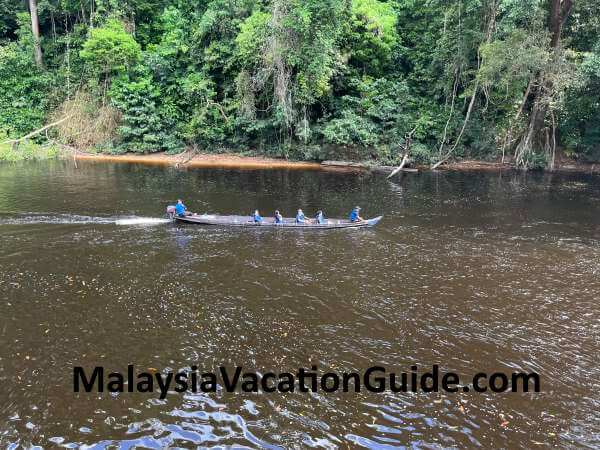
x=246, y=221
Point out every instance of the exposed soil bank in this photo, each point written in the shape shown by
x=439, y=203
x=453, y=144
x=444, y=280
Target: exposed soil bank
x=234, y=161
x=202, y=160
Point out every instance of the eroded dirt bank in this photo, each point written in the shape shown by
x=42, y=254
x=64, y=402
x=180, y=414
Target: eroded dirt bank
x=224, y=160
x=234, y=161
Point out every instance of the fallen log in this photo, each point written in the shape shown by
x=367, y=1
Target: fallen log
x=344, y=164
x=362, y=166
x=389, y=169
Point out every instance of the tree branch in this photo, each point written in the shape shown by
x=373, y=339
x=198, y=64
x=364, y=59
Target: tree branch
x=36, y=132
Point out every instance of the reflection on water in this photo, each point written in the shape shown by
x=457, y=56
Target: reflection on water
x=475, y=272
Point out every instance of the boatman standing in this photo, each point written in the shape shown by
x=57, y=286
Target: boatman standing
x=355, y=215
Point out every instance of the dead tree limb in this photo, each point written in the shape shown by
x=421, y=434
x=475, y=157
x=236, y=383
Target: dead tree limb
x=36, y=132
x=219, y=107
x=407, y=144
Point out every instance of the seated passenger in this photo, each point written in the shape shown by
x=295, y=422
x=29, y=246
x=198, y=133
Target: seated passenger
x=256, y=217
x=278, y=217
x=180, y=209
x=300, y=218
x=355, y=216
x=320, y=218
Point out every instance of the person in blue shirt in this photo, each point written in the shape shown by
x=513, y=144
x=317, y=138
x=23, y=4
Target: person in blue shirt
x=256, y=217
x=180, y=209
x=320, y=218
x=355, y=215
x=278, y=217
x=300, y=218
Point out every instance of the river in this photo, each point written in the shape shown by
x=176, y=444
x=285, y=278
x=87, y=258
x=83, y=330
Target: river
x=471, y=271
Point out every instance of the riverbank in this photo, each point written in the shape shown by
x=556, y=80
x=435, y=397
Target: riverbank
x=565, y=166
x=201, y=160
x=189, y=159
x=236, y=161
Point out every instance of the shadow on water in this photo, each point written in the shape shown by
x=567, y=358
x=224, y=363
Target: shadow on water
x=474, y=272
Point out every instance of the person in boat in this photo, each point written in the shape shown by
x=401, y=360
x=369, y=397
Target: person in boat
x=256, y=217
x=300, y=217
x=320, y=218
x=278, y=219
x=355, y=215
x=181, y=210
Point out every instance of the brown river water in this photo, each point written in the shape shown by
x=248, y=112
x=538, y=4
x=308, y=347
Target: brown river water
x=474, y=272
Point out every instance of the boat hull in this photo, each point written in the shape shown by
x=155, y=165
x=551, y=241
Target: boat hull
x=246, y=221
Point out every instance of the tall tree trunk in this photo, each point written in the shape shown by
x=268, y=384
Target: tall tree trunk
x=559, y=11
x=35, y=29
x=535, y=137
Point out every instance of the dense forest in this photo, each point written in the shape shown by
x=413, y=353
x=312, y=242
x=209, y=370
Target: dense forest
x=517, y=80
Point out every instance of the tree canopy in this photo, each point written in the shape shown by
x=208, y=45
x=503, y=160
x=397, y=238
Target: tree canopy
x=315, y=79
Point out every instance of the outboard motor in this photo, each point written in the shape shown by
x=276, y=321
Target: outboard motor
x=171, y=212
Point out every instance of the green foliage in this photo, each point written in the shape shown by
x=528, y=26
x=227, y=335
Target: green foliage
x=313, y=59
x=508, y=64
x=8, y=17
x=372, y=115
x=110, y=49
x=23, y=98
x=581, y=114
x=372, y=34
x=27, y=151
x=310, y=78
x=350, y=129
x=252, y=38
x=25, y=91
x=145, y=126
